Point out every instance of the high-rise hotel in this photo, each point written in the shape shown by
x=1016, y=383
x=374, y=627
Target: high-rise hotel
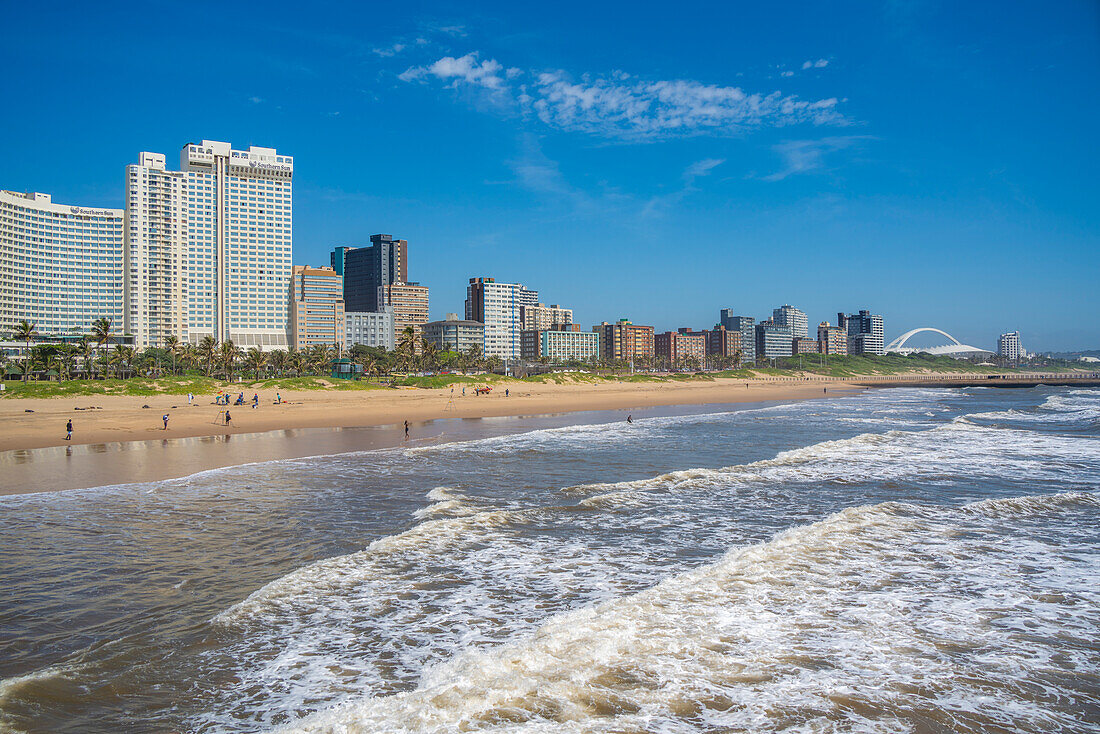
x=208, y=248
x=60, y=265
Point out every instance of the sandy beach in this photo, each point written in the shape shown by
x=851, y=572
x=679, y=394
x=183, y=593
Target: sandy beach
x=123, y=422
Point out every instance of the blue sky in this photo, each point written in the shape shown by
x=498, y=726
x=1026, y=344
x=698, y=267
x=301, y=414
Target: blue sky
x=934, y=162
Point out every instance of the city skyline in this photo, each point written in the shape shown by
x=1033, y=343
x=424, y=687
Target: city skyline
x=863, y=175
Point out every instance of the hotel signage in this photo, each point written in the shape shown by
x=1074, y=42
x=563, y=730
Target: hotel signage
x=92, y=212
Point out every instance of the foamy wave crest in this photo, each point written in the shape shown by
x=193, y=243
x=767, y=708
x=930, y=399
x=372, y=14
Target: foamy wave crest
x=333, y=577
x=447, y=501
x=839, y=625
x=959, y=448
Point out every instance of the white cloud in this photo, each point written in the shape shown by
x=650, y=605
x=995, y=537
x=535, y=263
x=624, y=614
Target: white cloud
x=255, y=100
x=702, y=168
x=390, y=50
x=467, y=69
x=803, y=156
x=624, y=106
x=658, y=205
x=787, y=73
x=819, y=64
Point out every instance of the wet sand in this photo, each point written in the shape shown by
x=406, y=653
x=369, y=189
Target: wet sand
x=124, y=442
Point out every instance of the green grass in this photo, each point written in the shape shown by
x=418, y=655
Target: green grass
x=135, y=386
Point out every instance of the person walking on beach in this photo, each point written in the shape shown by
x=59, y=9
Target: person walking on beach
x=505, y=392
x=463, y=391
x=228, y=418
x=165, y=419
x=69, y=430
x=278, y=399
x=406, y=430
x=255, y=400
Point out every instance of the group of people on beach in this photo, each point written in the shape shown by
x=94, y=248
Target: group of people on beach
x=219, y=399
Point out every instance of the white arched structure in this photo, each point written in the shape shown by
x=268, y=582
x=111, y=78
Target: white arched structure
x=954, y=349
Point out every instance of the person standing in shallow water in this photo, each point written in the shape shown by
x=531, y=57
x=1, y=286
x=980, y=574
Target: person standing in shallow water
x=406, y=430
x=69, y=430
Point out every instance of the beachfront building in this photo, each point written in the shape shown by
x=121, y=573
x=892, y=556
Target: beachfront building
x=866, y=332
x=1008, y=346
x=724, y=343
x=560, y=344
x=155, y=254
x=370, y=328
x=746, y=325
x=499, y=306
x=773, y=340
x=541, y=317
x=831, y=339
x=60, y=265
x=804, y=345
x=454, y=334
x=623, y=340
x=316, y=308
x=677, y=347
x=409, y=302
x=788, y=315
x=238, y=221
x=367, y=269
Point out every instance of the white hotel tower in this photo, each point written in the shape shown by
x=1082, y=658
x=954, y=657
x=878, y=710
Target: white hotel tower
x=229, y=233
x=60, y=265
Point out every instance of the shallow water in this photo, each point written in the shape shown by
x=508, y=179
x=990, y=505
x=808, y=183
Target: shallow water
x=903, y=560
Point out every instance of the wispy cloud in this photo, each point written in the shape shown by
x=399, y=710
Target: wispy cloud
x=621, y=106
x=659, y=204
x=804, y=156
x=391, y=50
x=819, y=64
x=255, y=100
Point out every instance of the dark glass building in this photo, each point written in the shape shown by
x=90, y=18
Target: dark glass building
x=366, y=269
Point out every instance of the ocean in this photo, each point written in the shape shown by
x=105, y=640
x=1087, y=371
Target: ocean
x=901, y=560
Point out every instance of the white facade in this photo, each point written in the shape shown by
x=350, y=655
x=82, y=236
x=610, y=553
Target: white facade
x=790, y=316
x=370, y=328
x=1008, y=346
x=60, y=266
x=239, y=243
x=209, y=247
x=542, y=317
x=501, y=307
x=155, y=262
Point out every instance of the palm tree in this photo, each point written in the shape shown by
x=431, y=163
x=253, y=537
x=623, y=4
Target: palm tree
x=297, y=362
x=255, y=361
x=66, y=354
x=369, y=364
x=172, y=344
x=189, y=356
x=101, y=333
x=122, y=357
x=228, y=356
x=208, y=352
x=473, y=357
x=494, y=363
x=406, y=347
x=278, y=360
x=24, y=332
x=86, y=351
x=430, y=353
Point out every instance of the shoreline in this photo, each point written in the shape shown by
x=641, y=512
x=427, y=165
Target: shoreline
x=123, y=442
x=122, y=447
